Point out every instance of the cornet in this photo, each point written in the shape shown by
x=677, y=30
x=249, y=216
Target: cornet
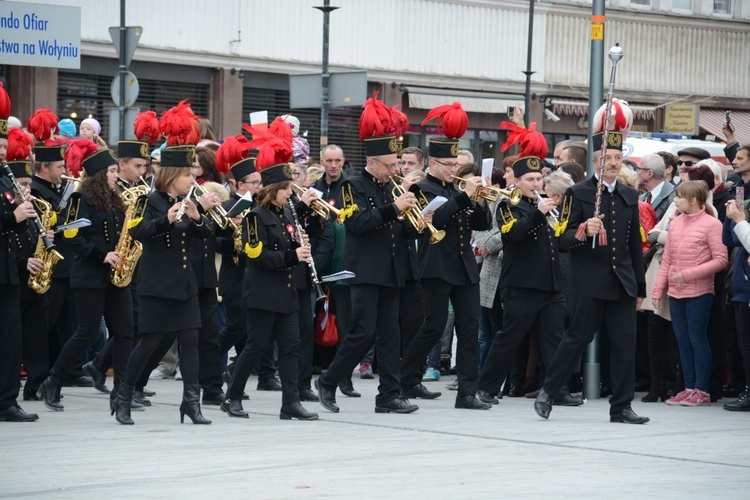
x=319, y=206
x=414, y=215
x=67, y=178
x=553, y=214
x=490, y=193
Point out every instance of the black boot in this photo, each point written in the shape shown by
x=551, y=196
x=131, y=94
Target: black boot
x=296, y=410
x=656, y=357
x=742, y=404
x=140, y=397
x=49, y=391
x=122, y=402
x=233, y=408
x=191, y=405
x=98, y=377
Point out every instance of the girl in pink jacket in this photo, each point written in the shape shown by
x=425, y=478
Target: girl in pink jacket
x=693, y=254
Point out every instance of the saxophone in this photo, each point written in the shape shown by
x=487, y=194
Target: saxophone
x=41, y=281
x=130, y=250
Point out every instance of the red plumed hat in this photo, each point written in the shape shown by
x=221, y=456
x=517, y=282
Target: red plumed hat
x=281, y=129
x=375, y=120
x=146, y=127
x=620, y=120
x=180, y=125
x=79, y=150
x=4, y=111
x=532, y=142
x=43, y=125
x=19, y=145
x=231, y=152
x=273, y=159
x=400, y=121
x=452, y=120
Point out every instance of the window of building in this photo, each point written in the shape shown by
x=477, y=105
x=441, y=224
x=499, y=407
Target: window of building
x=723, y=7
x=682, y=5
x=640, y=3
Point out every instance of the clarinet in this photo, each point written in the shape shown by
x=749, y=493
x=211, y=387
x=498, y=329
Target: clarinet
x=48, y=245
x=311, y=263
x=183, y=205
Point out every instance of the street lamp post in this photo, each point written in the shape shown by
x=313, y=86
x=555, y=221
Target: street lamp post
x=326, y=9
x=528, y=72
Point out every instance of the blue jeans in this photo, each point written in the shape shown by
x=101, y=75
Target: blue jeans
x=485, y=335
x=690, y=322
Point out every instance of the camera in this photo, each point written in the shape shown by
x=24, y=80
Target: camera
x=729, y=121
x=550, y=115
x=510, y=111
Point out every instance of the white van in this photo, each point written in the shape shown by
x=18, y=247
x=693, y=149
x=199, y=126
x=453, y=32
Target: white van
x=636, y=147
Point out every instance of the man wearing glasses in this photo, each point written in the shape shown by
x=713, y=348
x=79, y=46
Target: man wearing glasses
x=688, y=158
x=659, y=194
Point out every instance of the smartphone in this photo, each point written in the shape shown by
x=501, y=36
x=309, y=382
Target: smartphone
x=729, y=121
x=739, y=197
x=510, y=111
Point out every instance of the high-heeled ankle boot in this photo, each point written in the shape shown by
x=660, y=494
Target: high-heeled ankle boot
x=49, y=391
x=191, y=405
x=122, y=402
x=742, y=404
x=657, y=359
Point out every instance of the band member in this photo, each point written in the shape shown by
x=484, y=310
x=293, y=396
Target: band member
x=448, y=270
x=165, y=222
x=95, y=245
x=274, y=249
x=13, y=222
x=607, y=280
x=530, y=279
x=374, y=235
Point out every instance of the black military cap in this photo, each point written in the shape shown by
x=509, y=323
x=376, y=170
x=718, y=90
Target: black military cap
x=525, y=165
x=242, y=168
x=381, y=146
x=614, y=141
x=100, y=160
x=50, y=154
x=133, y=149
x=178, y=156
x=21, y=169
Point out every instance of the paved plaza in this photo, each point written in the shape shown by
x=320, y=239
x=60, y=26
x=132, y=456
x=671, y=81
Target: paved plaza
x=437, y=452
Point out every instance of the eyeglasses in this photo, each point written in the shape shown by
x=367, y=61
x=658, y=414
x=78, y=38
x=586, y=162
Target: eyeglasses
x=686, y=163
x=387, y=165
x=296, y=175
x=449, y=165
x=642, y=168
x=253, y=183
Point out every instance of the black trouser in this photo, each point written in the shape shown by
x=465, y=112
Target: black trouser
x=742, y=315
x=209, y=368
x=62, y=321
x=306, y=337
x=144, y=352
x=374, y=317
x=523, y=309
x=262, y=326
x=11, y=344
x=235, y=331
x=465, y=300
x=113, y=302
x=615, y=318
x=35, y=321
x=343, y=308
x=103, y=360
x=411, y=313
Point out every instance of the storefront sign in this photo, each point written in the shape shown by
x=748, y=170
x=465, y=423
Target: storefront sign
x=681, y=119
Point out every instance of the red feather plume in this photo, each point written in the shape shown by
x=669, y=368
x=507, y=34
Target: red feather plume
x=19, y=145
x=272, y=152
x=400, y=121
x=180, y=125
x=375, y=120
x=4, y=103
x=230, y=152
x=532, y=142
x=146, y=127
x=281, y=129
x=79, y=150
x=43, y=125
x=452, y=120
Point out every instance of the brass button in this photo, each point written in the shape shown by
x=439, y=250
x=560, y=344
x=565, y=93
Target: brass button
x=183, y=250
x=184, y=234
x=184, y=266
x=184, y=258
x=205, y=255
x=614, y=230
x=614, y=240
x=289, y=285
x=290, y=276
x=614, y=267
x=614, y=257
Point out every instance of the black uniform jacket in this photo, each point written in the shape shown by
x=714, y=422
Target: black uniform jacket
x=331, y=192
x=452, y=260
x=530, y=248
x=91, y=244
x=314, y=227
x=164, y=269
x=230, y=274
x=270, y=280
x=50, y=193
x=374, y=232
x=9, y=229
x=600, y=272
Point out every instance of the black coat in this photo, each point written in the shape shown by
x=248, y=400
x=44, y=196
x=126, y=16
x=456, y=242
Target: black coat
x=50, y=193
x=271, y=277
x=91, y=244
x=331, y=192
x=374, y=233
x=602, y=271
x=530, y=248
x=452, y=260
x=165, y=269
x=9, y=230
x=230, y=274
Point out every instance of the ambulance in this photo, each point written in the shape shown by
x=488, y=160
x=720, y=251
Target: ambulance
x=640, y=144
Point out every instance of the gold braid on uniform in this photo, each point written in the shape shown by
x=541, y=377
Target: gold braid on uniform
x=75, y=205
x=349, y=206
x=140, y=209
x=254, y=246
x=562, y=224
x=507, y=215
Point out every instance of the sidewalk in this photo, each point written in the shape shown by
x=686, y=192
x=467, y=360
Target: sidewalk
x=437, y=452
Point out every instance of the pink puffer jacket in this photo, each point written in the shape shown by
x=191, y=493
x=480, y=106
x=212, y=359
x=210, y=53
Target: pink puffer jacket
x=693, y=248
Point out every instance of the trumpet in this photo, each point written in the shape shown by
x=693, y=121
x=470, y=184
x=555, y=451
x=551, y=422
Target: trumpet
x=414, y=215
x=319, y=206
x=490, y=193
x=218, y=214
x=553, y=214
x=68, y=178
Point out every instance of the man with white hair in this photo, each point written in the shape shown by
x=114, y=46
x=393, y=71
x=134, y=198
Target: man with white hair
x=720, y=192
x=659, y=193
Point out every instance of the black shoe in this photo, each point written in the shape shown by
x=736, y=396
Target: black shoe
x=471, y=403
x=568, y=400
x=742, y=404
x=270, y=384
x=628, y=416
x=212, y=399
x=515, y=391
x=31, y=397
x=98, y=377
x=419, y=391
x=83, y=381
x=605, y=392
x=487, y=397
x=327, y=396
x=396, y=405
x=148, y=393
x=308, y=395
x=347, y=389
x=296, y=410
x=543, y=404
x=233, y=408
x=16, y=414
x=731, y=391
x=245, y=396
x=190, y=405
x=140, y=398
x=48, y=391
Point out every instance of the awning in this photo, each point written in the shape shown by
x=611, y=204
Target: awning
x=580, y=107
x=477, y=102
x=713, y=120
